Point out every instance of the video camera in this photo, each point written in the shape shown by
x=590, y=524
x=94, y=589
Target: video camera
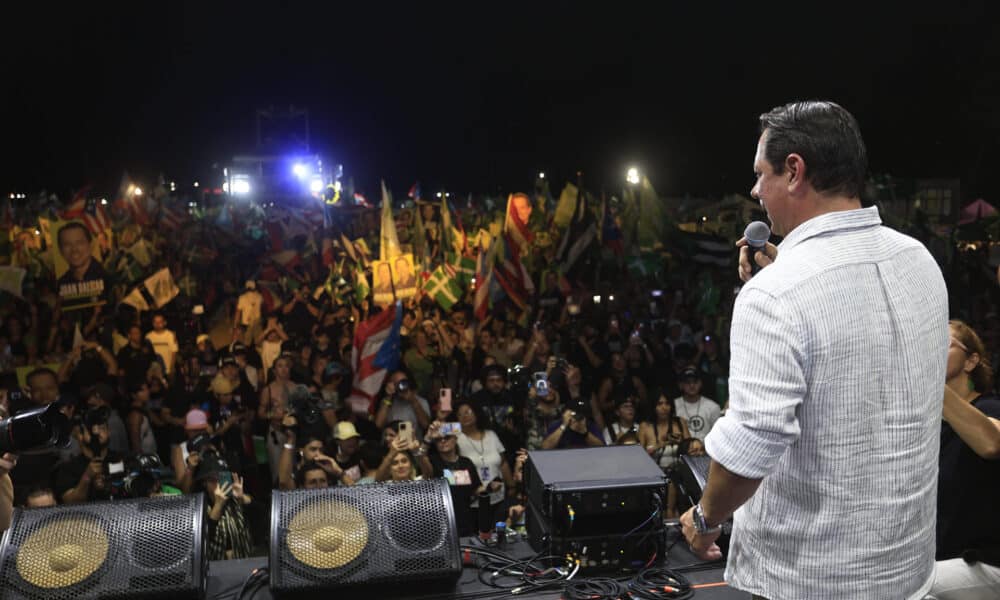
x=43, y=427
x=138, y=477
x=307, y=407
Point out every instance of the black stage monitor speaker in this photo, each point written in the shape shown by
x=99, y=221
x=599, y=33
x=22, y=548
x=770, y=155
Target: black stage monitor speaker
x=345, y=536
x=146, y=548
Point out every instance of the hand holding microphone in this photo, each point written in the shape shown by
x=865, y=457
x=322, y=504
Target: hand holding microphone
x=755, y=251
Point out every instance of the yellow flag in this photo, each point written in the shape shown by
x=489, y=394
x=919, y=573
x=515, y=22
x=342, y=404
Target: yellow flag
x=566, y=206
x=389, y=241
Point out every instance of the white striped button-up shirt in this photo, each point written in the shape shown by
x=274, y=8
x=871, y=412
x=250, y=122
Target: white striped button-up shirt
x=836, y=381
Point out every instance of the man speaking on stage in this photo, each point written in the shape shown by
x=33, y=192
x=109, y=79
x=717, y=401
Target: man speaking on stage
x=829, y=448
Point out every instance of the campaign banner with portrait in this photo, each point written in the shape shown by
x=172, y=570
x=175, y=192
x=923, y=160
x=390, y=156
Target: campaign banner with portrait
x=404, y=276
x=382, y=292
x=80, y=278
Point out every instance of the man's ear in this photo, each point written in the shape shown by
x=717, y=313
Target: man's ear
x=795, y=171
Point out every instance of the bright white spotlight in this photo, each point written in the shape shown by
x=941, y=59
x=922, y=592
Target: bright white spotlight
x=225, y=186
x=316, y=185
x=104, y=201
x=196, y=184
x=633, y=176
x=300, y=170
x=241, y=186
x=137, y=191
x=541, y=175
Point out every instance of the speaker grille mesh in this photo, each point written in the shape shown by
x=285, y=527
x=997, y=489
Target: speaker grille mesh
x=363, y=534
x=130, y=548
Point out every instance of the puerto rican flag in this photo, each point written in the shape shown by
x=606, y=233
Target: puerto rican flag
x=95, y=217
x=376, y=351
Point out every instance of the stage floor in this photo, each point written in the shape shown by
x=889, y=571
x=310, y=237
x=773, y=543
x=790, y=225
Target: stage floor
x=225, y=577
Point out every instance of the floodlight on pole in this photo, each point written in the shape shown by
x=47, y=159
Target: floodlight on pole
x=633, y=176
x=241, y=186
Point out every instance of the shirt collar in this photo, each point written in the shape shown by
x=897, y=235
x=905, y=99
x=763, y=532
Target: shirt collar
x=829, y=222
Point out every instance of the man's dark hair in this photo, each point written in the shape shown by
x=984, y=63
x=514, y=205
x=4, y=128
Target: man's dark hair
x=828, y=139
x=73, y=225
x=371, y=456
x=309, y=465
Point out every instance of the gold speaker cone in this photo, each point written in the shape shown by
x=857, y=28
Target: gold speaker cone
x=63, y=553
x=327, y=535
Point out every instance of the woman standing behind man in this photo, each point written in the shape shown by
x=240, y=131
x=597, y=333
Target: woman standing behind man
x=968, y=524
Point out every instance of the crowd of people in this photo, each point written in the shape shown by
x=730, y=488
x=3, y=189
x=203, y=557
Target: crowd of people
x=250, y=399
x=262, y=394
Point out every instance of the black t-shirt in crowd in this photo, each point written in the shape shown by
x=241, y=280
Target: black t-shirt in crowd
x=299, y=322
x=463, y=481
x=136, y=362
x=968, y=488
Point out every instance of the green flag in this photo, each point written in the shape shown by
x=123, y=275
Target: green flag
x=443, y=288
x=361, y=287
x=419, y=240
x=644, y=265
x=463, y=268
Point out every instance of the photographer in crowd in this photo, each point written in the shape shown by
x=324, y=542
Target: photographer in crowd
x=88, y=476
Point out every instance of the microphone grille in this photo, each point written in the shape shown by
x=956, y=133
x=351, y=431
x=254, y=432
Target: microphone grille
x=757, y=234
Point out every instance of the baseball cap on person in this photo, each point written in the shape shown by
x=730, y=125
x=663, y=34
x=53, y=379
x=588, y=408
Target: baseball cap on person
x=195, y=420
x=228, y=360
x=345, y=430
x=239, y=348
x=209, y=467
x=494, y=371
x=689, y=373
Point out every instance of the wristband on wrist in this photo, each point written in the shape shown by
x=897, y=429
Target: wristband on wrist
x=700, y=524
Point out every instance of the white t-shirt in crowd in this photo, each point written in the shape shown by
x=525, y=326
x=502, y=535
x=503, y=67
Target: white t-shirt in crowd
x=248, y=306
x=700, y=415
x=165, y=345
x=486, y=454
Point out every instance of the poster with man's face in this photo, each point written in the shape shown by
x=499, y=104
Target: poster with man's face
x=80, y=278
x=404, y=276
x=382, y=283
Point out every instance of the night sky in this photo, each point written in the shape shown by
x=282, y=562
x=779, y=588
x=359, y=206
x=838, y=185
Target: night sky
x=481, y=96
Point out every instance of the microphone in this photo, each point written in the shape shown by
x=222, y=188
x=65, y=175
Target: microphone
x=757, y=234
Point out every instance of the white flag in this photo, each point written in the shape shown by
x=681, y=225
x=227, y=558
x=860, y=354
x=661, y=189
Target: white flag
x=161, y=287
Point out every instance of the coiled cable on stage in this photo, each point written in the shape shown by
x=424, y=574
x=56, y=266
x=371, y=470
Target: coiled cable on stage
x=660, y=584
x=594, y=588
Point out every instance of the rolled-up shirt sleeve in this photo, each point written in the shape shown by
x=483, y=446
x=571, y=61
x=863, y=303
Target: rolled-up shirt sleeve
x=767, y=383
